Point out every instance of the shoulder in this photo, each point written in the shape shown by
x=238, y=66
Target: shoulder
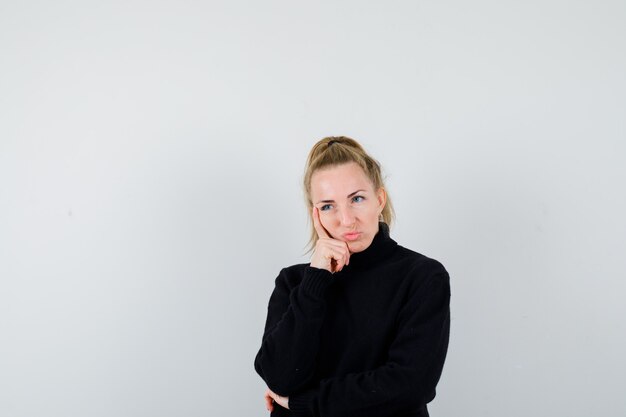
x=291, y=276
x=419, y=261
x=421, y=269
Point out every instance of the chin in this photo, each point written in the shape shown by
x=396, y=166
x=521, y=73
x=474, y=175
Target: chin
x=355, y=247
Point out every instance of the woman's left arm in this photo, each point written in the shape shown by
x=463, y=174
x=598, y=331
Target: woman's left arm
x=414, y=365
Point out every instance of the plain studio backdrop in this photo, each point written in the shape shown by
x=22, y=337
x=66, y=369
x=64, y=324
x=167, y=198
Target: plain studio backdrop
x=151, y=157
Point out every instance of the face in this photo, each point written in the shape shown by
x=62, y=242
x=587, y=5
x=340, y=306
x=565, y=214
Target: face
x=347, y=202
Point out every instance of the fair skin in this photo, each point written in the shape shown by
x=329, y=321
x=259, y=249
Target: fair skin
x=344, y=200
x=271, y=397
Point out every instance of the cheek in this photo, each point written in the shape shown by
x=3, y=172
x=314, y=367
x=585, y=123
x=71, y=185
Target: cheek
x=327, y=220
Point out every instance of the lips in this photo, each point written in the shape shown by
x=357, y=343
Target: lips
x=351, y=235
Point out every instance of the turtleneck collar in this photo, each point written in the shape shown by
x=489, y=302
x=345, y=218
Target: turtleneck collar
x=382, y=245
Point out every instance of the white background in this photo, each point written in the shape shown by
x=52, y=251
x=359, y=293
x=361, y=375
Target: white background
x=151, y=154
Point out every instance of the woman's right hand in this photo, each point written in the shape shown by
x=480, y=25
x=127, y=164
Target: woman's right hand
x=330, y=254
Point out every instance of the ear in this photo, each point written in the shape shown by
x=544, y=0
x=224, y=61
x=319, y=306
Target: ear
x=382, y=198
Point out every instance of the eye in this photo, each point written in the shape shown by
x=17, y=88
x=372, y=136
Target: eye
x=358, y=196
x=325, y=205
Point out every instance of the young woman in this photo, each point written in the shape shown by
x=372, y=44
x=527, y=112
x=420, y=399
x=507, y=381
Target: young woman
x=362, y=330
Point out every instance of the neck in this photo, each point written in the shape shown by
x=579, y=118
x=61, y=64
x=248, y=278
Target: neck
x=382, y=246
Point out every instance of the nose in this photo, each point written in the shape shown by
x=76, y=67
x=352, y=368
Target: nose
x=346, y=216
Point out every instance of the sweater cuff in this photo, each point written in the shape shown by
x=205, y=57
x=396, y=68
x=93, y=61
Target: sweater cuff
x=302, y=404
x=316, y=280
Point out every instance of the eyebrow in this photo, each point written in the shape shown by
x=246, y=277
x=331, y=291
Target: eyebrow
x=332, y=201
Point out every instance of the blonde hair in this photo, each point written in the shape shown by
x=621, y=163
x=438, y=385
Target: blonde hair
x=338, y=150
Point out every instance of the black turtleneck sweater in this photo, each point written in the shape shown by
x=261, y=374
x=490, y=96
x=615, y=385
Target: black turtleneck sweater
x=370, y=340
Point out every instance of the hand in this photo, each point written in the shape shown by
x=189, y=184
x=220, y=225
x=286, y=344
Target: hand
x=271, y=397
x=330, y=254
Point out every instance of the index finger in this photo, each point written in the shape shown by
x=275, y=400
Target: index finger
x=269, y=401
x=321, y=232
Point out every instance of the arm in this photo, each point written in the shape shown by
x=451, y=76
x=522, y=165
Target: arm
x=286, y=360
x=408, y=378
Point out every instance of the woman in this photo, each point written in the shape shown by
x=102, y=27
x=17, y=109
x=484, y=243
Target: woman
x=363, y=329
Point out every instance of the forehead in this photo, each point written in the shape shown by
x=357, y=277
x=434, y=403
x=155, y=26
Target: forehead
x=339, y=179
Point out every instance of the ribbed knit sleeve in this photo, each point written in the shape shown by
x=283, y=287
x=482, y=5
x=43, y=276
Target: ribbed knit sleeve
x=303, y=404
x=406, y=382
x=286, y=359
